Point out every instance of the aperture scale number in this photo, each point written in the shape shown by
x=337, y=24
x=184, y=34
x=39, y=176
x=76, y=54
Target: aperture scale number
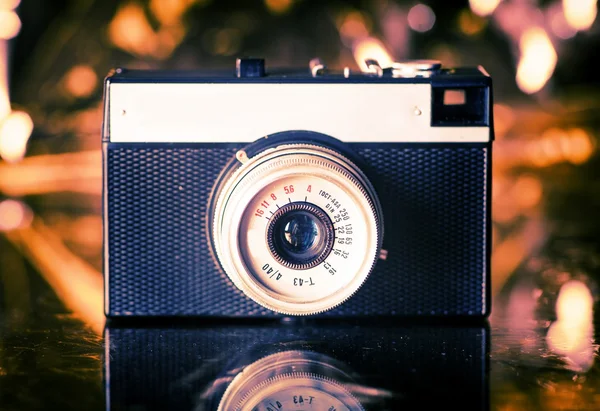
x=265, y=204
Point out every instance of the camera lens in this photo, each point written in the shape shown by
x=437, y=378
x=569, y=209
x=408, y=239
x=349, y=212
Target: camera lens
x=300, y=236
x=297, y=228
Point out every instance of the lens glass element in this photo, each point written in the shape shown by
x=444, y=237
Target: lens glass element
x=298, y=232
x=300, y=235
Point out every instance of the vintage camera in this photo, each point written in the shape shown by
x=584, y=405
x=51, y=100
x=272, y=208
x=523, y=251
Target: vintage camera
x=269, y=193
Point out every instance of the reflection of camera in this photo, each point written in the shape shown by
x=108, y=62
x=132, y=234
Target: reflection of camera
x=277, y=367
x=293, y=379
x=265, y=194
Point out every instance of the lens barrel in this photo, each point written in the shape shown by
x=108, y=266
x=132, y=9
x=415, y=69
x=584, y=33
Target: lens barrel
x=297, y=228
x=300, y=235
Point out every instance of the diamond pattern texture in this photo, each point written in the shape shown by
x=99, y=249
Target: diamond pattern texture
x=434, y=201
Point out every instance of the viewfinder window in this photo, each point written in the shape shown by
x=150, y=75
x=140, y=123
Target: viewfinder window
x=459, y=106
x=454, y=97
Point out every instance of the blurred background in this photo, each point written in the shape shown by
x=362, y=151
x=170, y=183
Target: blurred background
x=546, y=193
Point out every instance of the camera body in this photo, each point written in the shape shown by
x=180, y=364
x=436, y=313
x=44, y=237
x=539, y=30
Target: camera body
x=412, y=143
